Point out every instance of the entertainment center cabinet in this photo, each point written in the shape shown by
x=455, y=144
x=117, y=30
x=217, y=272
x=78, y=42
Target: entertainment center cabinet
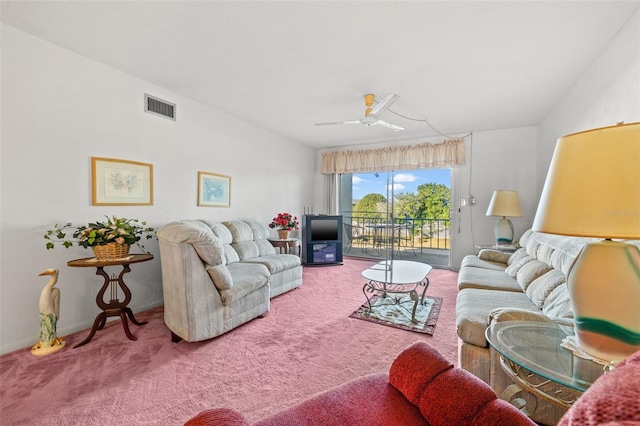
x=321, y=240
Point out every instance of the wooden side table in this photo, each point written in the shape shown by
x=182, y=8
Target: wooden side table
x=288, y=244
x=115, y=307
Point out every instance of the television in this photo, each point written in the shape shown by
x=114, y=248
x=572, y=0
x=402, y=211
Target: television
x=322, y=240
x=324, y=229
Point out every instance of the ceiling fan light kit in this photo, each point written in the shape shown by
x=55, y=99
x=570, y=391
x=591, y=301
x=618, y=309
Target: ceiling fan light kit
x=368, y=99
x=371, y=114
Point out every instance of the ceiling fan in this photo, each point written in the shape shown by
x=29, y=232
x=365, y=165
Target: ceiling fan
x=371, y=114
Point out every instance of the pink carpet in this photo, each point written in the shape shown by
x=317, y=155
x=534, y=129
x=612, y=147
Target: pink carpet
x=306, y=344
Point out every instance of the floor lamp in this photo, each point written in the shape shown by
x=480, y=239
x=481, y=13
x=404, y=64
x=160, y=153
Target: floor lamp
x=593, y=190
x=504, y=204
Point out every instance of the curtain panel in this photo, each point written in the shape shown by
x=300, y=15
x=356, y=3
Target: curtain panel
x=426, y=155
x=332, y=193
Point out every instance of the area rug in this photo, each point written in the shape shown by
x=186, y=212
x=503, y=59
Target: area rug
x=398, y=315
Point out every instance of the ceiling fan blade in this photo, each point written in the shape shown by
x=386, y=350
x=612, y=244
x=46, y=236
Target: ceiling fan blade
x=389, y=126
x=338, y=122
x=382, y=106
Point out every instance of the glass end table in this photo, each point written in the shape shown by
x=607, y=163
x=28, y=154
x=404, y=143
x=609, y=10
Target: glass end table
x=532, y=355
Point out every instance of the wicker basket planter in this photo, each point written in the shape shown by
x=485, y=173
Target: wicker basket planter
x=111, y=251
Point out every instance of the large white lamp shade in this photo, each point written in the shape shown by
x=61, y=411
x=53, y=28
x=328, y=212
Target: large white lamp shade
x=593, y=190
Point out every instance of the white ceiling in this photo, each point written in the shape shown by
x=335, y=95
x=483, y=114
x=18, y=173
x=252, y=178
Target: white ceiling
x=464, y=65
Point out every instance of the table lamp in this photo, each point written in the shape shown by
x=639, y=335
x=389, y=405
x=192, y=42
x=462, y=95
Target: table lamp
x=593, y=190
x=504, y=204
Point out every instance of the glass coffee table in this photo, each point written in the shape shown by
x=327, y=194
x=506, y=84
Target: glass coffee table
x=532, y=355
x=397, y=277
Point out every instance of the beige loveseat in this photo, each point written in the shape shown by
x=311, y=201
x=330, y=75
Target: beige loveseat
x=219, y=275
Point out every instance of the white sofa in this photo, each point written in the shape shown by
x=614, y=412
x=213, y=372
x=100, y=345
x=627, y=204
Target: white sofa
x=528, y=285
x=219, y=275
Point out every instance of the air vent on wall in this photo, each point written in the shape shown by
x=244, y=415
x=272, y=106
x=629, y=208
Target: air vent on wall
x=159, y=107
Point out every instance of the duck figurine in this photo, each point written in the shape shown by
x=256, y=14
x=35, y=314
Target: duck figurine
x=49, y=306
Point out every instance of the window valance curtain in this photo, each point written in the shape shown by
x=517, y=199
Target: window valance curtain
x=426, y=155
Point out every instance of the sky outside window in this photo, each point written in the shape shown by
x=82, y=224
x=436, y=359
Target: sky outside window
x=404, y=181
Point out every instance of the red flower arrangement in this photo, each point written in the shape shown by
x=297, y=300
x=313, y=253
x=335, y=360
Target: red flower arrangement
x=285, y=222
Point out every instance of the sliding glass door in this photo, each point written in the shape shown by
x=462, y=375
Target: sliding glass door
x=400, y=215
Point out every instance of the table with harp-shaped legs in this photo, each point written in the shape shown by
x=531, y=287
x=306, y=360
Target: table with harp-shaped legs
x=114, y=307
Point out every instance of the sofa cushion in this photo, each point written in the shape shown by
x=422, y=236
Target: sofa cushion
x=474, y=305
x=220, y=276
x=247, y=278
x=514, y=267
x=367, y=400
x=205, y=243
x=218, y=417
x=516, y=256
x=429, y=381
x=533, y=245
x=525, y=237
x=545, y=253
x=260, y=231
x=473, y=261
x=541, y=287
x=530, y=271
x=565, y=249
x=494, y=256
x=558, y=303
x=513, y=314
x=265, y=248
x=246, y=249
x=230, y=254
x=219, y=230
x=240, y=231
x=277, y=262
x=404, y=376
x=488, y=279
x=561, y=260
x=260, y=238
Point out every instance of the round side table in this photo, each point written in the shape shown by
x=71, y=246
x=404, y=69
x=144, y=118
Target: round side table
x=115, y=307
x=532, y=355
x=287, y=244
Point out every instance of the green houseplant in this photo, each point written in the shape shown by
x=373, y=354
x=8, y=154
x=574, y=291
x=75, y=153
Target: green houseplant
x=115, y=234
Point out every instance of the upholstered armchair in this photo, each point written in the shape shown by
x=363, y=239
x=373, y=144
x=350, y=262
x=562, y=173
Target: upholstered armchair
x=421, y=388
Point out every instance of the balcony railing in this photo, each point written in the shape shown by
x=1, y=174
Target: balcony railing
x=375, y=231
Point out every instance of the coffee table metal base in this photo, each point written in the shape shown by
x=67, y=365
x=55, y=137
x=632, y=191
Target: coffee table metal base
x=390, y=278
x=373, y=287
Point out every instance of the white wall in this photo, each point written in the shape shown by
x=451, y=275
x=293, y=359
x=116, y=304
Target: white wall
x=59, y=109
x=608, y=92
x=499, y=159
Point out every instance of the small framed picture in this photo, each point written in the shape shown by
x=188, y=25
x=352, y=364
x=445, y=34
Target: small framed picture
x=121, y=182
x=214, y=190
